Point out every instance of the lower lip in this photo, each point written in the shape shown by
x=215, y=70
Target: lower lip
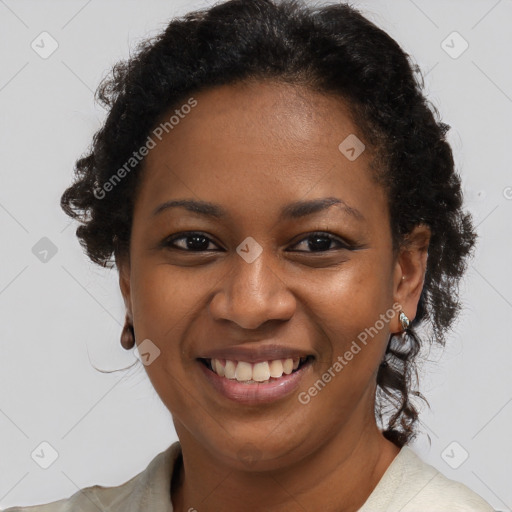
x=257, y=393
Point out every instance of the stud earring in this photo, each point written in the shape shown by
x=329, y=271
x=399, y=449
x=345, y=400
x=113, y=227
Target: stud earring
x=128, y=335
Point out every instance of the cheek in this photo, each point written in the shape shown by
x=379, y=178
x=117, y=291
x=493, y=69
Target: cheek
x=350, y=307
x=349, y=299
x=164, y=299
x=165, y=304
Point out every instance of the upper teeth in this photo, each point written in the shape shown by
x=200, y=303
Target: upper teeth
x=257, y=372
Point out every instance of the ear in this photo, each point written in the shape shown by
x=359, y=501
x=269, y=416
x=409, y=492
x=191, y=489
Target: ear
x=409, y=273
x=123, y=266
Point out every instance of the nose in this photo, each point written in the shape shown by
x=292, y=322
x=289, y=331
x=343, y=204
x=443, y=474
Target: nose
x=252, y=294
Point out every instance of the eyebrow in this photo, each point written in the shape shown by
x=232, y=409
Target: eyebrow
x=294, y=210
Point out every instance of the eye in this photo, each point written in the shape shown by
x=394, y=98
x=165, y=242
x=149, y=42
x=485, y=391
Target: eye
x=194, y=241
x=321, y=242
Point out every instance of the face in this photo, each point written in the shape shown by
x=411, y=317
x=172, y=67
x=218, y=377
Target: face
x=264, y=273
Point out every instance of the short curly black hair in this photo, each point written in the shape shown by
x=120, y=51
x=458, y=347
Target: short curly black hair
x=332, y=50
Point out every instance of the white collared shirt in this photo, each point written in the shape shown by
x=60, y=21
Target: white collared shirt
x=408, y=485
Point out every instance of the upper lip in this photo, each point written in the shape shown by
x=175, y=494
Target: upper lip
x=255, y=354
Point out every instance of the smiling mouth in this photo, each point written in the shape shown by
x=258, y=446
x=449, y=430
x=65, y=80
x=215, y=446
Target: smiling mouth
x=255, y=373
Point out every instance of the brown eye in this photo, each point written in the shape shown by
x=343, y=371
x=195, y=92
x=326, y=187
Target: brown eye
x=321, y=242
x=192, y=241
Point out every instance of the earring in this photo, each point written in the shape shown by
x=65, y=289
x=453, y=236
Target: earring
x=128, y=335
x=404, y=321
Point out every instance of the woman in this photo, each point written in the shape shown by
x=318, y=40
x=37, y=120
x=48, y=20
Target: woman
x=284, y=213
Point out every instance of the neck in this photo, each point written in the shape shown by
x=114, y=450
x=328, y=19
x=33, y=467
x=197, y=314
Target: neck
x=338, y=477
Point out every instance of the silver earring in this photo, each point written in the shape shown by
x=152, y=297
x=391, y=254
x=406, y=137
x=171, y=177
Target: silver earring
x=404, y=321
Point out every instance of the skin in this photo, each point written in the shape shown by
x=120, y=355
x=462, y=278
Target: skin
x=253, y=148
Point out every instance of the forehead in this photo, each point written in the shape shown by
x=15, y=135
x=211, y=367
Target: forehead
x=241, y=113
x=267, y=141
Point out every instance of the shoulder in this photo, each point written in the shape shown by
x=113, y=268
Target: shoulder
x=411, y=485
x=435, y=489
x=149, y=487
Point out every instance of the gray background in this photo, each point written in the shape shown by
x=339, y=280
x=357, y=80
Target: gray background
x=61, y=317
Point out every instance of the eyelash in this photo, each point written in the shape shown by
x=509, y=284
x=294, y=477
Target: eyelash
x=169, y=242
